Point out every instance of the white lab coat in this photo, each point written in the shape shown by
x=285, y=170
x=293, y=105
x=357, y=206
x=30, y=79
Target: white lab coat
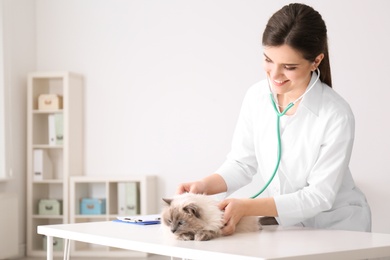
x=314, y=186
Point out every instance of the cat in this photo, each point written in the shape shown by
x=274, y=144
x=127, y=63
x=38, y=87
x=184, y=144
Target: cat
x=192, y=216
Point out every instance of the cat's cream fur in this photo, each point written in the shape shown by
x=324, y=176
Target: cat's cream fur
x=197, y=217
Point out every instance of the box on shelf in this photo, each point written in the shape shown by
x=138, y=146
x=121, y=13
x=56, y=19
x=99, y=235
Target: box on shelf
x=50, y=207
x=91, y=206
x=58, y=243
x=49, y=102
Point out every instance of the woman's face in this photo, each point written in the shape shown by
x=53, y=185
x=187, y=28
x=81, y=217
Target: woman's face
x=289, y=73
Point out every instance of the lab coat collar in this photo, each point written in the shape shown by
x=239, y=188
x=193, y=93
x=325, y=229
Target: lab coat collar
x=312, y=100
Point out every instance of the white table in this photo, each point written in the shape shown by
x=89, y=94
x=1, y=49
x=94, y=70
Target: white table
x=273, y=242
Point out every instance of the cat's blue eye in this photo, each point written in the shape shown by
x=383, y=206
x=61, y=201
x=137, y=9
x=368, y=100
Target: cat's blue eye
x=180, y=223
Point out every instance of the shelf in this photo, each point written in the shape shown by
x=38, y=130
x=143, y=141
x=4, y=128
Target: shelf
x=51, y=181
x=90, y=216
x=59, y=217
x=41, y=253
x=54, y=149
x=107, y=187
x=46, y=146
x=66, y=161
x=37, y=111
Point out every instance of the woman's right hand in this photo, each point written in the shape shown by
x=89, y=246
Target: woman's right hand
x=210, y=185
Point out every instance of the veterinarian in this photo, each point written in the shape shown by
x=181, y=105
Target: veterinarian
x=296, y=132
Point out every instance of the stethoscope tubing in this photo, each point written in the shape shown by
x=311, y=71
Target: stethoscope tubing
x=279, y=157
x=278, y=116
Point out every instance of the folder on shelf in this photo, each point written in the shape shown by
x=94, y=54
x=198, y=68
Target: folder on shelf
x=59, y=126
x=56, y=129
x=43, y=168
x=52, y=129
x=140, y=220
x=128, y=198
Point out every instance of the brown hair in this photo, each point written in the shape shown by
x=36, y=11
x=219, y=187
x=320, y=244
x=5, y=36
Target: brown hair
x=302, y=28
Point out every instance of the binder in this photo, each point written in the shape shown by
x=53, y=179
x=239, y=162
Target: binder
x=56, y=129
x=52, y=129
x=43, y=168
x=128, y=198
x=59, y=128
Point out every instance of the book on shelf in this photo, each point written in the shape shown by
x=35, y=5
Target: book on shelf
x=43, y=168
x=56, y=129
x=128, y=198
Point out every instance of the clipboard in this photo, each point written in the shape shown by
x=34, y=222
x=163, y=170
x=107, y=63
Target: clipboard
x=139, y=220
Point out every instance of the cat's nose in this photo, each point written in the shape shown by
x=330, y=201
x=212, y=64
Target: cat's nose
x=173, y=230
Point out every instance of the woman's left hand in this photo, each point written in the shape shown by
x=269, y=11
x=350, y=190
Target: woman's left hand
x=234, y=211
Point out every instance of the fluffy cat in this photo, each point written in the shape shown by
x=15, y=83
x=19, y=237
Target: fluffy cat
x=197, y=217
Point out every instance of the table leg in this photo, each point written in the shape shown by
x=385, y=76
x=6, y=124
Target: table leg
x=49, y=246
x=66, y=249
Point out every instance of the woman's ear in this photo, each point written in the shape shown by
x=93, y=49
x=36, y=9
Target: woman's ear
x=317, y=61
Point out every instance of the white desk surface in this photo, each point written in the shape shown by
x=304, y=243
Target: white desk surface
x=273, y=242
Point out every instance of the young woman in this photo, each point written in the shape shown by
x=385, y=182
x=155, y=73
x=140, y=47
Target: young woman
x=313, y=185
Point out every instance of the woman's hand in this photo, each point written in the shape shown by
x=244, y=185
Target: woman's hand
x=210, y=185
x=234, y=209
x=192, y=187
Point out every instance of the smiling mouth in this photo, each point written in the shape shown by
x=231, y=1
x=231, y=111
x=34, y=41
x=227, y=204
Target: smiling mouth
x=279, y=83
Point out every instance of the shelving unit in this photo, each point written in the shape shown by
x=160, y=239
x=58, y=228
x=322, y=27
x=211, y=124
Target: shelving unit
x=107, y=188
x=66, y=158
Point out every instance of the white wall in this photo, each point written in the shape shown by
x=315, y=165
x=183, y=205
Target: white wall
x=3, y=174
x=18, y=43
x=165, y=80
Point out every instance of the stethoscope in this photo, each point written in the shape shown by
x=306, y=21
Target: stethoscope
x=278, y=116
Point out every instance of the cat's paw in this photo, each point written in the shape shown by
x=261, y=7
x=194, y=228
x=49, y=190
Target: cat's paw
x=186, y=236
x=205, y=235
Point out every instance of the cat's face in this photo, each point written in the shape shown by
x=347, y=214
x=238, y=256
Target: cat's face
x=182, y=220
x=192, y=217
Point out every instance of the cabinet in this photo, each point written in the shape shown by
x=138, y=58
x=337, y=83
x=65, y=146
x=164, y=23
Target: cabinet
x=50, y=164
x=107, y=189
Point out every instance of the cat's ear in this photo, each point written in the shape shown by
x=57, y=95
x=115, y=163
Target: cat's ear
x=168, y=201
x=192, y=209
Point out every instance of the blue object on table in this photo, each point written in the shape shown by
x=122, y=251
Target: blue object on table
x=140, y=220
